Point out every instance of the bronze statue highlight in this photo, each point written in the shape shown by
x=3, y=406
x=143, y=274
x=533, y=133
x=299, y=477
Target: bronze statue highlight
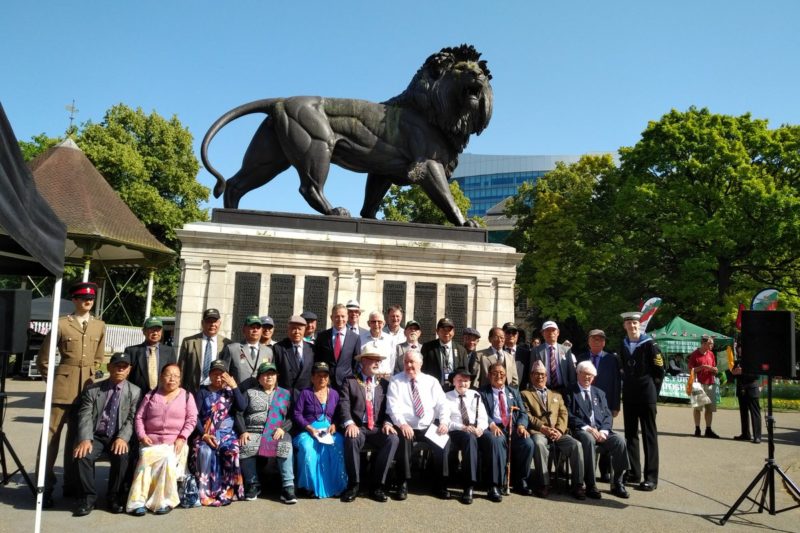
x=413, y=138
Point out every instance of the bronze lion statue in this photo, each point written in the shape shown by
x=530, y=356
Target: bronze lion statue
x=413, y=138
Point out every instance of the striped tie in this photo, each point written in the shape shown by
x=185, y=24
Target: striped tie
x=415, y=399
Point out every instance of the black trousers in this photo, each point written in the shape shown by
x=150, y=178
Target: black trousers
x=641, y=414
x=116, y=477
x=467, y=444
x=749, y=408
x=406, y=447
x=385, y=449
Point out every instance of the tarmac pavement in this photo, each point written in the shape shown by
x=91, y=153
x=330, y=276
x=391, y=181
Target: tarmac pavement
x=700, y=479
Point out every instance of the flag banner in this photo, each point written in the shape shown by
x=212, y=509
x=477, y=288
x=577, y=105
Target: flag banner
x=765, y=300
x=648, y=309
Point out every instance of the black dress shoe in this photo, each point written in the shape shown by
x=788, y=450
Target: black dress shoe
x=350, y=494
x=116, y=508
x=466, y=496
x=83, y=509
x=741, y=437
x=619, y=491
x=494, y=495
x=757, y=440
x=47, y=501
x=593, y=493
x=378, y=495
x=402, y=491
x=631, y=479
x=579, y=493
x=523, y=490
x=442, y=493
x=604, y=478
x=647, y=486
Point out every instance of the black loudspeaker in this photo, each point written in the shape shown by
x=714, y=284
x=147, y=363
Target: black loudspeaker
x=15, y=315
x=768, y=343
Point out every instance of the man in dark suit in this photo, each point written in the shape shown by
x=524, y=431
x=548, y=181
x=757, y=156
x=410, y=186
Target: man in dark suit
x=643, y=372
x=748, y=393
x=362, y=409
x=294, y=357
x=148, y=358
x=507, y=418
x=557, y=359
x=608, y=380
x=198, y=351
x=243, y=358
x=338, y=347
x=105, y=424
x=441, y=356
x=590, y=424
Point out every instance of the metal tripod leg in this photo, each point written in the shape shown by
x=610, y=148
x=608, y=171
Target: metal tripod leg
x=4, y=443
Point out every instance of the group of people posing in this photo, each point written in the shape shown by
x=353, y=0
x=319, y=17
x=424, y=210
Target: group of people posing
x=202, y=426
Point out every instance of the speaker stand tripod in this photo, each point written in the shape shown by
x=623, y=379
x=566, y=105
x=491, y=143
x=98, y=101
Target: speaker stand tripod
x=767, y=473
x=4, y=442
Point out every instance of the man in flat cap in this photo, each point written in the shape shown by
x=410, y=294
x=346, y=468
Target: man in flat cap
x=243, y=358
x=148, y=358
x=198, y=351
x=338, y=347
x=311, y=326
x=80, y=339
x=643, y=372
x=469, y=338
x=294, y=357
x=520, y=352
x=412, y=333
x=105, y=424
x=353, y=316
x=608, y=380
x=362, y=409
x=557, y=359
x=441, y=356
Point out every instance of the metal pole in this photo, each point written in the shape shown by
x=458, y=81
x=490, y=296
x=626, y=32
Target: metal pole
x=48, y=397
x=87, y=262
x=149, y=304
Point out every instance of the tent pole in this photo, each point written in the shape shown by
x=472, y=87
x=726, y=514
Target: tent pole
x=48, y=398
x=149, y=304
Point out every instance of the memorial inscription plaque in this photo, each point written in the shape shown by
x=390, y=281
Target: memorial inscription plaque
x=246, y=294
x=425, y=309
x=315, y=299
x=394, y=293
x=281, y=302
x=455, y=307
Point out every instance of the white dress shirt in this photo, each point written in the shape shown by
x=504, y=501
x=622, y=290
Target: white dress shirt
x=397, y=338
x=400, y=406
x=591, y=399
x=473, y=402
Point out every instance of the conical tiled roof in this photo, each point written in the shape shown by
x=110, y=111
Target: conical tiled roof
x=93, y=212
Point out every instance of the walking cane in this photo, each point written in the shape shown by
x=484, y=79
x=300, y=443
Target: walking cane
x=508, y=449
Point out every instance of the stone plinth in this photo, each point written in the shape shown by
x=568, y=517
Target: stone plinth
x=456, y=272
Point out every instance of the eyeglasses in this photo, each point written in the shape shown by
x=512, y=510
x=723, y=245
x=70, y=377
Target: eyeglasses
x=540, y=374
x=496, y=373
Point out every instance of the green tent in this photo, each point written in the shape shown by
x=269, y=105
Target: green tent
x=681, y=336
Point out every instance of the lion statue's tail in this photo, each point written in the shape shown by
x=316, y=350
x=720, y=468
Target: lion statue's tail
x=258, y=106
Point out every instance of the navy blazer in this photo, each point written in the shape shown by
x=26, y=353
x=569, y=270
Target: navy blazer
x=519, y=415
x=138, y=355
x=290, y=376
x=609, y=376
x=323, y=352
x=580, y=413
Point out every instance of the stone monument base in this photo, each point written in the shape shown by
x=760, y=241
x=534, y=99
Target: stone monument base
x=250, y=262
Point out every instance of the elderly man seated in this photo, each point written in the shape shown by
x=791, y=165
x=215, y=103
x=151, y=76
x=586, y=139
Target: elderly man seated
x=414, y=402
x=547, y=422
x=590, y=423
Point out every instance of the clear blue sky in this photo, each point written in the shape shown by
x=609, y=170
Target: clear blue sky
x=570, y=77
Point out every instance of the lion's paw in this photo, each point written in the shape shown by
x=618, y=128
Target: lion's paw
x=339, y=212
x=469, y=223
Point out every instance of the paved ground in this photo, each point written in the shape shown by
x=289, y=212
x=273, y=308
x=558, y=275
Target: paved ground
x=700, y=480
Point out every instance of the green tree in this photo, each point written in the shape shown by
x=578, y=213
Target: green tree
x=412, y=204
x=702, y=211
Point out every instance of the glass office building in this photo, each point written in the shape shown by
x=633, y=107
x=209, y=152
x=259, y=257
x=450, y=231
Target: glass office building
x=489, y=179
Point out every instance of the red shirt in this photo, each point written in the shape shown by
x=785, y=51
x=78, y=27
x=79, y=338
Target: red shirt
x=698, y=358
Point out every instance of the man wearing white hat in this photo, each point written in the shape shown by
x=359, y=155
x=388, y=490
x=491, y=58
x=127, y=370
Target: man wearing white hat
x=353, y=315
x=643, y=372
x=557, y=358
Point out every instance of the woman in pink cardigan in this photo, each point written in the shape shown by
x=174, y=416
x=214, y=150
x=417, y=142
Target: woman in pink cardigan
x=164, y=421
